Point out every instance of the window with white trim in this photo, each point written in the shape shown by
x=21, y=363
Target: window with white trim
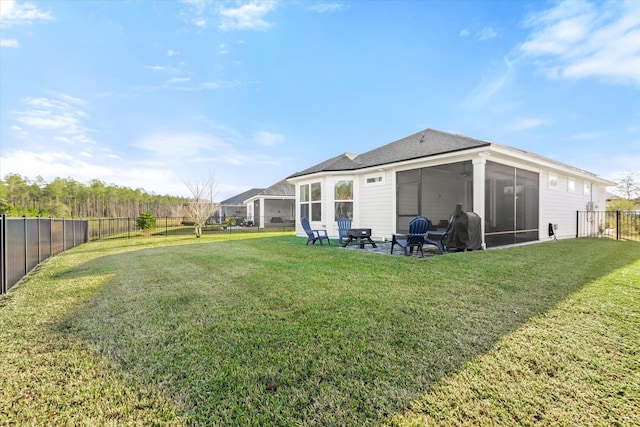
x=311, y=201
x=343, y=199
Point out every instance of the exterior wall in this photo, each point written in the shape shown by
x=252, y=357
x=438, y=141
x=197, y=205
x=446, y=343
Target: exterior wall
x=375, y=201
x=376, y=204
x=371, y=208
x=559, y=202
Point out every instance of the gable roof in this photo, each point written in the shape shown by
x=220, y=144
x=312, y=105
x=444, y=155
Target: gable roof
x=280, y=188
x=429, y=142
x=239, y=199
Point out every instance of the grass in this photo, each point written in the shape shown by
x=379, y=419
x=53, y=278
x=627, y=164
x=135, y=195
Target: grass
x=268, y=331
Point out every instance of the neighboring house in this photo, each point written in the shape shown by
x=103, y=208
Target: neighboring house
x=517, y=194
x=272, y=207
x=235, y=206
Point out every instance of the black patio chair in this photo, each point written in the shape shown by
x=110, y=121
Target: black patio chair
x=414, y=238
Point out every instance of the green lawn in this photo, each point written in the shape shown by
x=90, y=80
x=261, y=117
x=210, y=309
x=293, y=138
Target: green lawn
x=268, y=331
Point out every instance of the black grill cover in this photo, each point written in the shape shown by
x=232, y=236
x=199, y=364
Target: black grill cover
x=465, y=232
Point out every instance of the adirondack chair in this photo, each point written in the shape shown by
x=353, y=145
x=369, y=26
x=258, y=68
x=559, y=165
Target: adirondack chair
x=314, y=235
x=414, y=238
x=344, y=224
x=438, y=238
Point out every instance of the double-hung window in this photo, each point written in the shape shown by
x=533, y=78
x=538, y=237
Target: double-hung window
x=311, y=201
x=343, y=197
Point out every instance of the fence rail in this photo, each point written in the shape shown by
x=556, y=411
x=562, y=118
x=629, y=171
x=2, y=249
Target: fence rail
x=118, y=228
x=619, y=225
x=26, y=242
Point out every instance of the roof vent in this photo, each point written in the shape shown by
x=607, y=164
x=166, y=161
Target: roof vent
x=351, y=156
x=421, y=138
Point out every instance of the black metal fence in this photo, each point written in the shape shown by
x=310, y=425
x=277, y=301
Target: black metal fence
x=114, y=228
x=619, y=225
x=26, y=242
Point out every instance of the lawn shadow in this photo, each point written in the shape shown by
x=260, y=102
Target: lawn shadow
x=271, y=331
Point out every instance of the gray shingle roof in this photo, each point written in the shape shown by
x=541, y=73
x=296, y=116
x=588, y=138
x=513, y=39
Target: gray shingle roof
x=280, y=188
x=426, y=143
x=240, y=198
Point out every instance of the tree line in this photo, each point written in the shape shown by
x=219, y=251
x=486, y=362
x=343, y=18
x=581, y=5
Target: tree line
x=65, y=197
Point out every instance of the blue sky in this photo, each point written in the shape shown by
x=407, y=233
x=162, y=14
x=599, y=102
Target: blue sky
x=153, y=94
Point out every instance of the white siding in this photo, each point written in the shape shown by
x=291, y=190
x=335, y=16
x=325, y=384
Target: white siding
x=559, y=204
x=376, y=206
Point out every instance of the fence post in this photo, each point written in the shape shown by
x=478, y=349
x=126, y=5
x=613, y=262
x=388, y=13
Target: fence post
x=24, y=236
x=3, y=255
x=64, y=234
x=39, y=242
x=617, y=225
x=51, y=236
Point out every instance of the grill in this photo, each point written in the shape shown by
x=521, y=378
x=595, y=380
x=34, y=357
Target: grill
x=465, y=233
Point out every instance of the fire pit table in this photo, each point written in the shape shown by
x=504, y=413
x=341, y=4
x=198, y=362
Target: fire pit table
x=361, y=236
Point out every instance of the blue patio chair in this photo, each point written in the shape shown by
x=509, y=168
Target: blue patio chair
x=438, y=238
x=314, y=235
x=414, y=238
x=344, y=224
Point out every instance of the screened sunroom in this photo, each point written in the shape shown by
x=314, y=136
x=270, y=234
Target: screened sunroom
x=511, y=206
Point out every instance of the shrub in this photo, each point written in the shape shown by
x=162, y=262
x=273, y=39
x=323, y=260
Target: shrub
x=146, y=221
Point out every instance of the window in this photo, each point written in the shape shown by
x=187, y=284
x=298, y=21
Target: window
x=343, y=197
x=587, y=189
x=553, y=180
x=571, y=185
x=374, y=180
x=311, y=201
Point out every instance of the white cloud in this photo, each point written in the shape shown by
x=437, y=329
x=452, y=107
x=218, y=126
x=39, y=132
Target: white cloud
x=491, y=84
x=84, y=168
x=14, y=13
x=486, y=33
x=249, y=16
x=172, y=52
x=175, y=145
x=327, y=7
x=526, y=123
x=179, y=80
x=582, y=39
x=464, y=32
x=220, y=84
x=9, y=43
x=60, y=115
x=267, y=139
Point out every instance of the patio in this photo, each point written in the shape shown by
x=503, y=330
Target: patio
x=385, y=249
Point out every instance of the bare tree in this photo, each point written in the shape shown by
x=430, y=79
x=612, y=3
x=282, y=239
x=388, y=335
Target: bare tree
x=629, y=187
x=201, y=206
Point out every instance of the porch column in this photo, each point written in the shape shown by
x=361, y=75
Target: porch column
x=479, y=191
x=261, y=219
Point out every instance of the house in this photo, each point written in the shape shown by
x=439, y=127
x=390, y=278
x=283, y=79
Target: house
x=273, y=206
x=234, y=206
x=516, y=194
